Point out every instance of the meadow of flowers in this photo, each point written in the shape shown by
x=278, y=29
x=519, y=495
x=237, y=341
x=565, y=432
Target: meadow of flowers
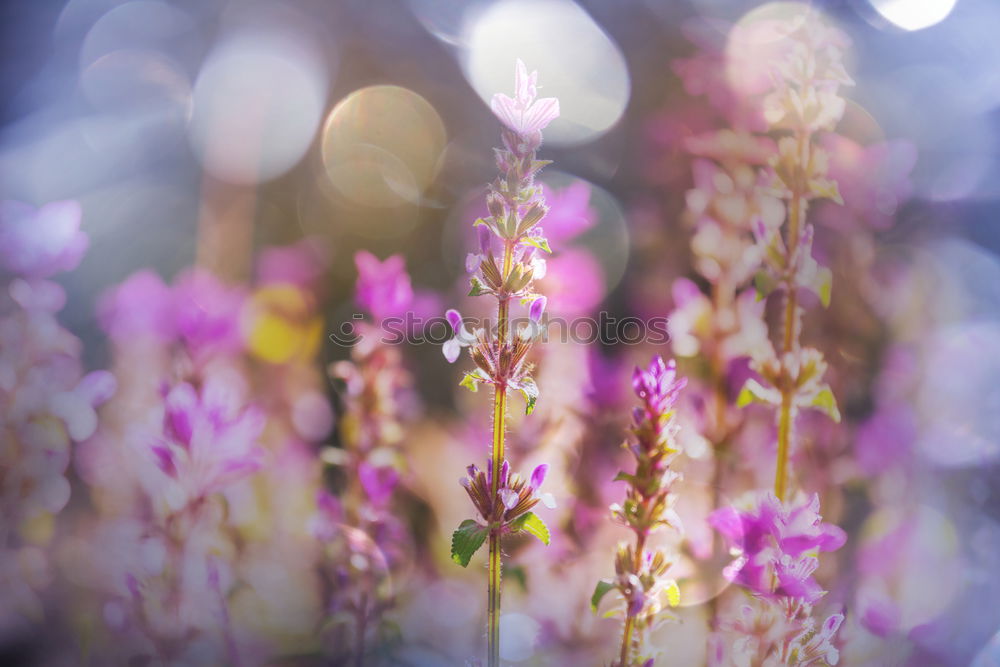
x=500, y=333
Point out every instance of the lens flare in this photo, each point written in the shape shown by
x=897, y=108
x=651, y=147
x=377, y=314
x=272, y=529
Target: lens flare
x=914, y=14
x=257, y=103
x=382, y=146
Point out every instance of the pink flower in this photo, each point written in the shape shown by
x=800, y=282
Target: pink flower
x=209, y=438
x=383, y=288
x=776, y=540
x=463, y=337
x=207, y=313
x=657, y=387
x=524, y=114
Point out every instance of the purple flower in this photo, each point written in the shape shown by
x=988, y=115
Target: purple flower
x=323, y=525
x=537, y=477
x=657, y=387
x=537, y=309
x=209, y=438
x=777, y=541
x=383, y=288
x=379, y=482
x=524, y=114
x=516, y=495
x=816, y=646
x=207, y=313
x=463, y=337
x=37, y=243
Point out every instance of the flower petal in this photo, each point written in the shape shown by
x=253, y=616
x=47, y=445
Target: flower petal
x=509, y=498
x=451, y=349
x=538, y=476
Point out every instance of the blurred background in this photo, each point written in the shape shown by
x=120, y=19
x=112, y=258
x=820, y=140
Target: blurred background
x=204, y=132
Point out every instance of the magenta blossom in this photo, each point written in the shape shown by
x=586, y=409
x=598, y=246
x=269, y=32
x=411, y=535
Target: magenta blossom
x=207, y=313
x=657, y=387
x=209, y=438
x=383, y=288
x=379, y=482
x=524, y=114
x=778, y=544
x=37, y=243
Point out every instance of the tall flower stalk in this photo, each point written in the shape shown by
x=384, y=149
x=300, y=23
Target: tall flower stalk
x=803, y=102
x=641, y=571
x=779, y=537
x=504, y=267
x=364, y=535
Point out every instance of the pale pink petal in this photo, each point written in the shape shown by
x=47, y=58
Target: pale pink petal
x=509, y=498
x=539, y=115
x=451, y=350
x=506, y=110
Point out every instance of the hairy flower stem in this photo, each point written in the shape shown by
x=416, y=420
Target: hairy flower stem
x=790, y=334
x=640, y=543
x=499, y=419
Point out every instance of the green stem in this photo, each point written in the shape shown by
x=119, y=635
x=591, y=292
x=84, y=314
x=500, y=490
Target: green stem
x=790, y=333
x=784, y=438
x=495, y=565
x=499, y=419
x=640, y=544
x=626, y=640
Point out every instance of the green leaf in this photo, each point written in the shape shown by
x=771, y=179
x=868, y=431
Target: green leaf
x=530, y=523
x=602, y=588
x=471, y=380
x=537, y=165
x=754, y=392
x=827, y=402
x=529, y=390
x=538, y=241
x=823, y=285
x=466, y=540
x=481, y=221
x=477, y=287
x=623, y=476
x=764, y=283
x=826, y=188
